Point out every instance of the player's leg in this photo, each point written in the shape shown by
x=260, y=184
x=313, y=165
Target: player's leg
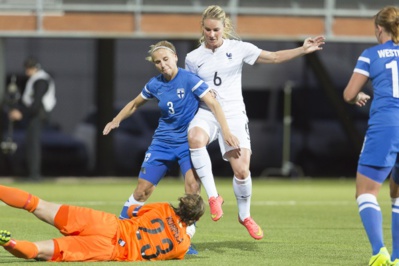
x=192, y=186
x=89, y=234
x=370, y=212
x=140, y=195
x=21, y=199
x=203, y=130
x=192, y=183
x=18, y=198
x=375, y=163
x=42, y=250
x=242, y=181
x=152, y=170
x=394, y=192
x=43, y=210
x=198, y=140
x=143, y=190
x=242, y=186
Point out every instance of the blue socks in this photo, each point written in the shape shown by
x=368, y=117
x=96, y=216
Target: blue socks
x=370, y=213
x=130, y=201
x=395, y=229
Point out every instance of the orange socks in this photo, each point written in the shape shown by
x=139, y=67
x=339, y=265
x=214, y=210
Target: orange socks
x=22, y=249
x=18, y=198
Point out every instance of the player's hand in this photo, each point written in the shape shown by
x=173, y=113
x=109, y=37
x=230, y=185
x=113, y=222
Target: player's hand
x=231, y=140
x=313, y=44
x=111, y=125
x=361, y=99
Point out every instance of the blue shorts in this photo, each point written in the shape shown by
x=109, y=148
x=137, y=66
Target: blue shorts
x=379, y=153
x=160, y=157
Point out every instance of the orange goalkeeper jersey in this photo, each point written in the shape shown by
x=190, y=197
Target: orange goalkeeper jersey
x=153, y=233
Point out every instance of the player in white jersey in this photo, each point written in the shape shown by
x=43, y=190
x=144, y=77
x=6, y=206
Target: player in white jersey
x=379, y=158
x=218, y=61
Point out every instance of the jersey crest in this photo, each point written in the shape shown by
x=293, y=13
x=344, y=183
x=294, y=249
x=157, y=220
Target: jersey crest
x=180, y=93
x=147, y=156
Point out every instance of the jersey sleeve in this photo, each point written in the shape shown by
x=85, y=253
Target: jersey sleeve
x=250, y=52
x=190, y=66
x=199, y=88
x=146, y=93
x=363, y=64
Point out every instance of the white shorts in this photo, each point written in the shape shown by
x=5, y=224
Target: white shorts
x=238, y=126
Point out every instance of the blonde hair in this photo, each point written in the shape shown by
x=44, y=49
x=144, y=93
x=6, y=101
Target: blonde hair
x=388, y=18
x=160, y=45
x=217, y=13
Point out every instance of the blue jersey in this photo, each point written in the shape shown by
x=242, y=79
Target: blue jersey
x=381, y=64
x=178, y=100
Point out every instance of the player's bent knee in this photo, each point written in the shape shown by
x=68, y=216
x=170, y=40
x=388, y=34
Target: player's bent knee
x=197, y=139
x=241, y=173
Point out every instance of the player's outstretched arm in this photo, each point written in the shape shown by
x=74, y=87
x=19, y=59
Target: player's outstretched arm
x=127, y=111
x=310, y=45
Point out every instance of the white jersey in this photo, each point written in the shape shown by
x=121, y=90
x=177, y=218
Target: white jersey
x=222, y=71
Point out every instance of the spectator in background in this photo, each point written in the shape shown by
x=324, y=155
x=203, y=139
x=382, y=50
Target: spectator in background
x=218, y=61
x=379, y=156
x=37, y=101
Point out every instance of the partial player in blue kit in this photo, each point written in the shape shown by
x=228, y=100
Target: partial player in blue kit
x=178, y=93
x=379, y=156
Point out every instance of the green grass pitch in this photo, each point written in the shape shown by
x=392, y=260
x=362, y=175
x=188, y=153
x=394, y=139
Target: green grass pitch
x=305, y=221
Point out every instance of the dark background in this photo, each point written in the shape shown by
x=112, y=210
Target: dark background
x=319, y=144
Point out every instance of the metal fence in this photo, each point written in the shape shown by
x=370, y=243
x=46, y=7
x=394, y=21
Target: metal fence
x=328, y=10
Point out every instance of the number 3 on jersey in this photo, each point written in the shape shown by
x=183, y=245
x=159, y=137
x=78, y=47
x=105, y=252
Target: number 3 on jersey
x=395, y=80
x=171, y=109
x=165, y=241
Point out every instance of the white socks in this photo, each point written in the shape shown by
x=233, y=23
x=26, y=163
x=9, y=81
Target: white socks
x=243, y=191
x=131, y=201
x=203, y=166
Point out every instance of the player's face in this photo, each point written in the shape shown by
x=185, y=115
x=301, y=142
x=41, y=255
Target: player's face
x=166, y=62
x=213, y=33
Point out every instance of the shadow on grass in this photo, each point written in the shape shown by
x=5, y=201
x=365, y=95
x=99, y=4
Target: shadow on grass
x=11, y=260
x=228, y=247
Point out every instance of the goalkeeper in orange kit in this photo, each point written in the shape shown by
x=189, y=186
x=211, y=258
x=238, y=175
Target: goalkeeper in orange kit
x=155, y=231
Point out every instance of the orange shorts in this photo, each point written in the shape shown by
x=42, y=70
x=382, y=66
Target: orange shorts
x=90, y=235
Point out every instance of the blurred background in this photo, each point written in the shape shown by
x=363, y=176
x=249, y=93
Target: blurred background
x=95, y=50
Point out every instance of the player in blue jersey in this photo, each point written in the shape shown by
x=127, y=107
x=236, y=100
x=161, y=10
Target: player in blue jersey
x=379, y=156
x=178, y=93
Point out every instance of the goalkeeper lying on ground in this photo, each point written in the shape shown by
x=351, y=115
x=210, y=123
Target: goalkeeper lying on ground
x=155, y=231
